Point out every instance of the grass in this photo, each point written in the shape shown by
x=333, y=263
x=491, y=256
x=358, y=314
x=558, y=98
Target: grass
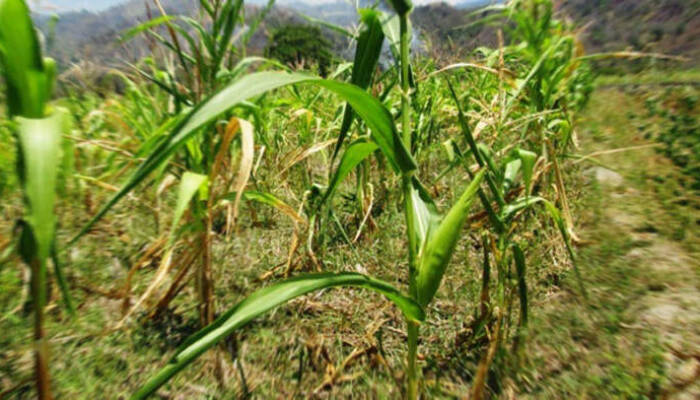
x=607, y=351
x=478, y=338
x=576, y=351
x=653, y=77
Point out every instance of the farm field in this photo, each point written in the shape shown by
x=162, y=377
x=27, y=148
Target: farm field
x=209, y=222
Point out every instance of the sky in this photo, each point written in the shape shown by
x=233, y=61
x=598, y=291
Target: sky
x=98, y=5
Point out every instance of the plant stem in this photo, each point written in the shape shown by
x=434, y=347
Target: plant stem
x=41, y=345
x=561, y=189
x=412, y=371
x=405, y=86
x=207, y=288
x=206, y=295
x=482, y=371
x=412, y=376
x=484, y=299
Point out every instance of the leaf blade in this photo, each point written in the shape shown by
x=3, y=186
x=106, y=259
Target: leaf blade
x=375, y=114
x=40, y=146
x=440, y=245
x=369, y=48
x=353, y=156
x=262, y=301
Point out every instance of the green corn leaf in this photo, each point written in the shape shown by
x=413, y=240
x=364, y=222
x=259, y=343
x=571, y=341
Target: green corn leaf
x=528, y=160
x=519, y=258
x=204, y=36
x=231, y=15
x=522, y=84
x=487, y=156
x=263, y=301
x=272, y=201
x=514, y=207
x=423, y=214
x=440, y=245
x=190, y=184
x=353, y=156
x=335, y=28
x=369, y=48
x=136, y=30
x=391, y=25
x=40, y=143
x=480, y=153
x=163, y=85
x=267, y=199
x=20, y=55
x=510, y=173
x=50, y=77
x=373, y=112
x=243, y=65
x=379, y=120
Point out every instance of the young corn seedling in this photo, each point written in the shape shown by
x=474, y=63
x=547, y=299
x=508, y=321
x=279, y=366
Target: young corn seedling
x=205, y=54
x=504, y=214
x=553, y=53
x=432, y=237
x=37, y=128
x=199, y=119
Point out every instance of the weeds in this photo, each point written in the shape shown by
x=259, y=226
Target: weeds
x=195, y=117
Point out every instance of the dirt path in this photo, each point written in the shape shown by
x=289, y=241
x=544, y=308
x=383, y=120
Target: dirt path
x=669, y=305
x=639, y=336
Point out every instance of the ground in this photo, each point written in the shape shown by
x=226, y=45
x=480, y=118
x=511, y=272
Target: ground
x=640, y=335
x=636, y=335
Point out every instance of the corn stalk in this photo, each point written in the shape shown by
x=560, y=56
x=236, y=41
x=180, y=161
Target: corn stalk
x=29, y=79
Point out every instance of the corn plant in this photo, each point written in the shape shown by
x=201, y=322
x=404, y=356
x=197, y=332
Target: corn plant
x=191, y=132
x=553, y=53
x=37, y=128
x=537, y=105
x=208, y=55
x=431, y=236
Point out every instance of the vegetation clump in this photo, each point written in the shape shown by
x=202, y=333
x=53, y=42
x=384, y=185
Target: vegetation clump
x=300, y=46
x=216, y=187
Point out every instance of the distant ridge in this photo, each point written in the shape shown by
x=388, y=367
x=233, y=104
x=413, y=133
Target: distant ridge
x=663, y=26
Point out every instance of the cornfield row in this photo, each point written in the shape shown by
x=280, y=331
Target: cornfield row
x=209, y=141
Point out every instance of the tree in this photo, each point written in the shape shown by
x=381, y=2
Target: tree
x=300, y=46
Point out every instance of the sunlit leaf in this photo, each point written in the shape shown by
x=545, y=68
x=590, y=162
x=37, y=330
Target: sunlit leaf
x=371, y=110
x=440, y=245
x=40, y=142
x=423, y=214
x=263, y=301
x=510, y=173
x=369, y=47
x=28, y=87
x=190, y=184
x=528, y=160
x=353, y=156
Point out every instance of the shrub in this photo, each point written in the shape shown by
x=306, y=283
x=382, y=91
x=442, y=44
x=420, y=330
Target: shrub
x=300, y=46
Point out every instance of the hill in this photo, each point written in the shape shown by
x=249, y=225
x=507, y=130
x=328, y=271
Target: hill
x=87, y=36
x=657, y=26
x=666, y=26
x=662, y=26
